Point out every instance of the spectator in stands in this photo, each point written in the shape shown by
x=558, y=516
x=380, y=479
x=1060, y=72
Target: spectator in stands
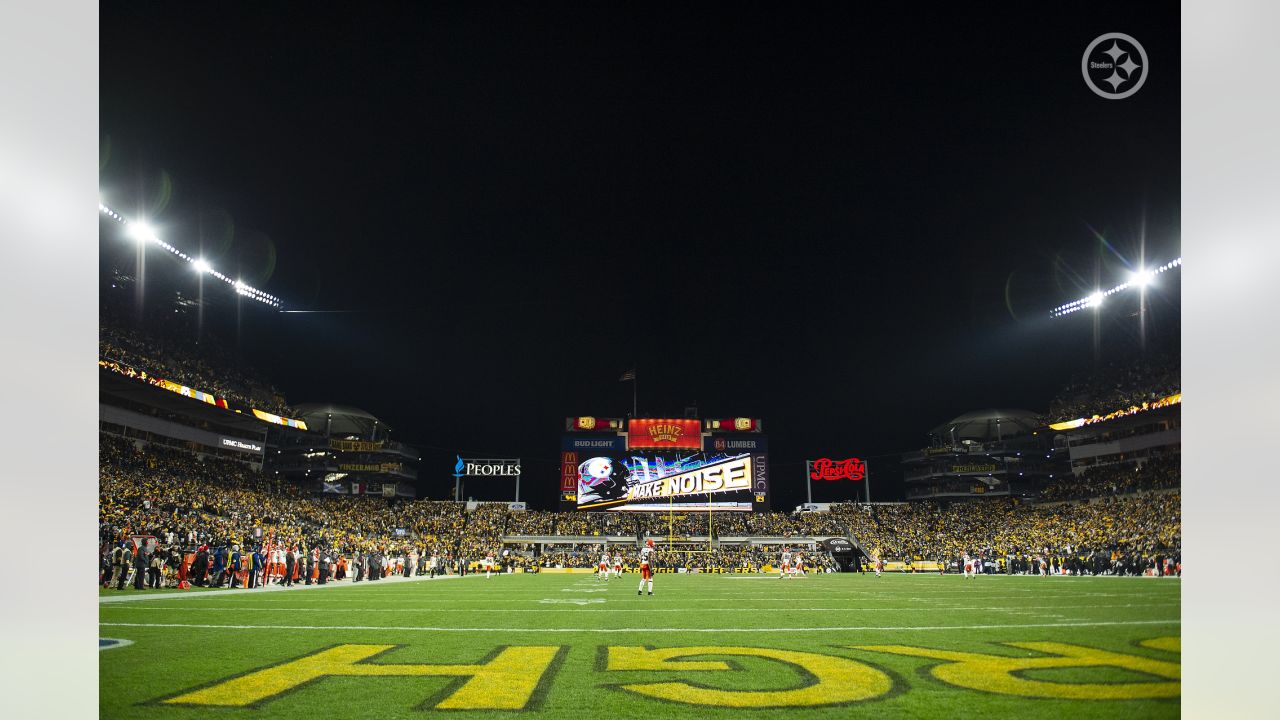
x=169, y=494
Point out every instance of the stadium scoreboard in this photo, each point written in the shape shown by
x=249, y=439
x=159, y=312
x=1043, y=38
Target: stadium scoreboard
x=664, y=464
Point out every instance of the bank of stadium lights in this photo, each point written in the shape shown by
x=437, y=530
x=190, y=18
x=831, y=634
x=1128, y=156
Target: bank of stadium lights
x=143, y=233
x=1140, y=279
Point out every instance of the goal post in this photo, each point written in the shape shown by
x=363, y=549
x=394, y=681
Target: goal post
x=671, y=528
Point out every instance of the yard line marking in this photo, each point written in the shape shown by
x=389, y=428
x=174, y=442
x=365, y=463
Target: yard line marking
x=791, y=629
x=1021, y=609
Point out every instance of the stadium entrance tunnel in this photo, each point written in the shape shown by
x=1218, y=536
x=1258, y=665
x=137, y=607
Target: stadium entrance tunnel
x=518, y=677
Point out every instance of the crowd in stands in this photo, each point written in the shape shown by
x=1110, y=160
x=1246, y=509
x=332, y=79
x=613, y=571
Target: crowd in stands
x=1156, y=473
x=736, y=557
x=1131, y=533
x=221, y=507
x=206, y=367
x=684, y=524
x=1117, y=386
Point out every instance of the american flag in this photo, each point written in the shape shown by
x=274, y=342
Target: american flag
x=628, y=375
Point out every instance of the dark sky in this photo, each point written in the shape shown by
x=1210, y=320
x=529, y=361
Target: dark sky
x=850, y=224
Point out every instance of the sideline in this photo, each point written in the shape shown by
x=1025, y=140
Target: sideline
x=139, y=596
x=987, y=608
x=790, y=630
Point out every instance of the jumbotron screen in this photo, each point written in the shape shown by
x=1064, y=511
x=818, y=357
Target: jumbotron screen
x=725, y=473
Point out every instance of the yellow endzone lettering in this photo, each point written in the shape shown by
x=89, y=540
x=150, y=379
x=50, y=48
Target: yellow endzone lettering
x=839, y=680
x=506, y=682
x=1168, y=644
x=995, y=673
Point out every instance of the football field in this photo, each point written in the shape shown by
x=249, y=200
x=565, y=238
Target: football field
x=703, y=646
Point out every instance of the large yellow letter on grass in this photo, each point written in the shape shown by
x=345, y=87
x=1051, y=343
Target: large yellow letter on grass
x=506, y=682
x=838, y=680
x=996, y=673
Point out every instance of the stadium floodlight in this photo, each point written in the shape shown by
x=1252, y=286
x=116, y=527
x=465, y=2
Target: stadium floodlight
x=143, y=233
x=1140, y=279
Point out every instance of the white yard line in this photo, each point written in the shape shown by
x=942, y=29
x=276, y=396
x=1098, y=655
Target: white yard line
x=791, y=629
x=986, y=608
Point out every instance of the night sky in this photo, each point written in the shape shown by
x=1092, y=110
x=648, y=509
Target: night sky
x=850, y=225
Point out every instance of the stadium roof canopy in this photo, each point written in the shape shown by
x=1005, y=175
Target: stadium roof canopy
x=339, y=419
x=988, y=425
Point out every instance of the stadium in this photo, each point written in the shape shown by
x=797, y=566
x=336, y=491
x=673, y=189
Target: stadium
x=277, y=558
x=326, y=476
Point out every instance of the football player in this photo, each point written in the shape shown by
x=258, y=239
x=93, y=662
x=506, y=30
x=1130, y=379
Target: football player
x=488, y=566
x=646, y=566
x=617, y=565
x=785, y=569
x=602, y=570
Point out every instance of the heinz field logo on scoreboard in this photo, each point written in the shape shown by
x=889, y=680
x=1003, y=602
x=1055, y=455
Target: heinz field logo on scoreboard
x=665, y=433
x=727, y=475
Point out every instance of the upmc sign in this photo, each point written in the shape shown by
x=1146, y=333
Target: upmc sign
x=828, y=469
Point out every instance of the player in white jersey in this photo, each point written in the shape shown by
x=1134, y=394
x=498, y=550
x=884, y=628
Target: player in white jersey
x=797, y=565
x=488, y=566
x=602, y=570
x=968, y=565
x=617, y=565
x=647, y=560
x=786, y=563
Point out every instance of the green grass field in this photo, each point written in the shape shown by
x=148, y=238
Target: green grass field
x=703, y=646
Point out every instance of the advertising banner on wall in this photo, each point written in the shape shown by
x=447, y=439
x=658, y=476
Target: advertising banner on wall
x=240, y=444
x=737, y=443
x=273, y=418
x=664, y=434
x=386, y=467
x=490, y=467
x=828, y=469
x=355, y=446
x=838, y=545
x=1163, y=402
x=603, y=444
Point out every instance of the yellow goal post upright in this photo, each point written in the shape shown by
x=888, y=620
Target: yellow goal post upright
x=671, y=529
